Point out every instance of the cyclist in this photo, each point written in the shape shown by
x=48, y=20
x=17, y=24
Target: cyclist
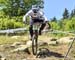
x=36, y=15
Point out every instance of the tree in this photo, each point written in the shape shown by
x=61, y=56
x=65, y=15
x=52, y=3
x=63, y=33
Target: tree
x=72, y=14
x=65, y=14
x=54, y=19
x=20, y=7
x=13, y=7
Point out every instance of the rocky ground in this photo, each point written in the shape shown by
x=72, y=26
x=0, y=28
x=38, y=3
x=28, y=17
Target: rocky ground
x=51, y=49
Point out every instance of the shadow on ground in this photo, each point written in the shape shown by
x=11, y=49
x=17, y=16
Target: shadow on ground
x=44, y=52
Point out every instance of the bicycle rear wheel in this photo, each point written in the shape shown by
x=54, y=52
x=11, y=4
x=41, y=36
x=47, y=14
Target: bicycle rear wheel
x=34, y=43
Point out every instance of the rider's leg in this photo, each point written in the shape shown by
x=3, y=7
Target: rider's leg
x=31, y=31
x=41, y=28
x=49, y=26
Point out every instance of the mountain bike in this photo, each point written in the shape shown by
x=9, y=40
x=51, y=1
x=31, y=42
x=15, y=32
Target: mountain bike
x=36, y=27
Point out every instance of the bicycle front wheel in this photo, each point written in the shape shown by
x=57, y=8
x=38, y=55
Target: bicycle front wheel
x=34, y=43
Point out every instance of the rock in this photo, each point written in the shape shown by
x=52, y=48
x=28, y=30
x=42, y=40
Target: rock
x=3, y=58
x=15, y=37
x=24, y=59
x=42, y=43
x=22, y=48
x=27, y=51
x=65, y=40
x=29, y=43
x=53, y=39
x=0, y=56
x=1, y=45
x=15, y=44
x=52, y=43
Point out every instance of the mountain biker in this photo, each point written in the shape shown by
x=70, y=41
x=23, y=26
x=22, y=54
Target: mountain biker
x=36, y=15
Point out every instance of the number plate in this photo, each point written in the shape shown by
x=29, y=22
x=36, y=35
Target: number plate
x=36, y=26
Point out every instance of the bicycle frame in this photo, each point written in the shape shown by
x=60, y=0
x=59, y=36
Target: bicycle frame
x=35, y=38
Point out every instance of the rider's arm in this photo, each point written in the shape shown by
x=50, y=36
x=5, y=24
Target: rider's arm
x=45, y=18
x=47, y=22
x=27, y=14
x=42, y=14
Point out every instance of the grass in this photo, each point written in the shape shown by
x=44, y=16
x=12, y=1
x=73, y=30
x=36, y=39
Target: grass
x=12, y=39
x=5, y=39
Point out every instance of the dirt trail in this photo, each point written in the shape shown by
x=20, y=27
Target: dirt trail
x=55, y=53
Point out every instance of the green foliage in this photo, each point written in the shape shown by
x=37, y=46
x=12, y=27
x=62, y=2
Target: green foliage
x=65, y=14
x=7, y=23
x=65, y=25
x=11, y=15
x=2, y=1
x=68, y=25
x=55, y=25
x=19, y=7
x=18, y=25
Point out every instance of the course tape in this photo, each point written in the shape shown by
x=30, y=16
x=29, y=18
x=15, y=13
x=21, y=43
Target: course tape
x=25, y=29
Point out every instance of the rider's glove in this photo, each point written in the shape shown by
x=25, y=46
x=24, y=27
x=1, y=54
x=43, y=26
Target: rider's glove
x=24, y=22
x=49, y=26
